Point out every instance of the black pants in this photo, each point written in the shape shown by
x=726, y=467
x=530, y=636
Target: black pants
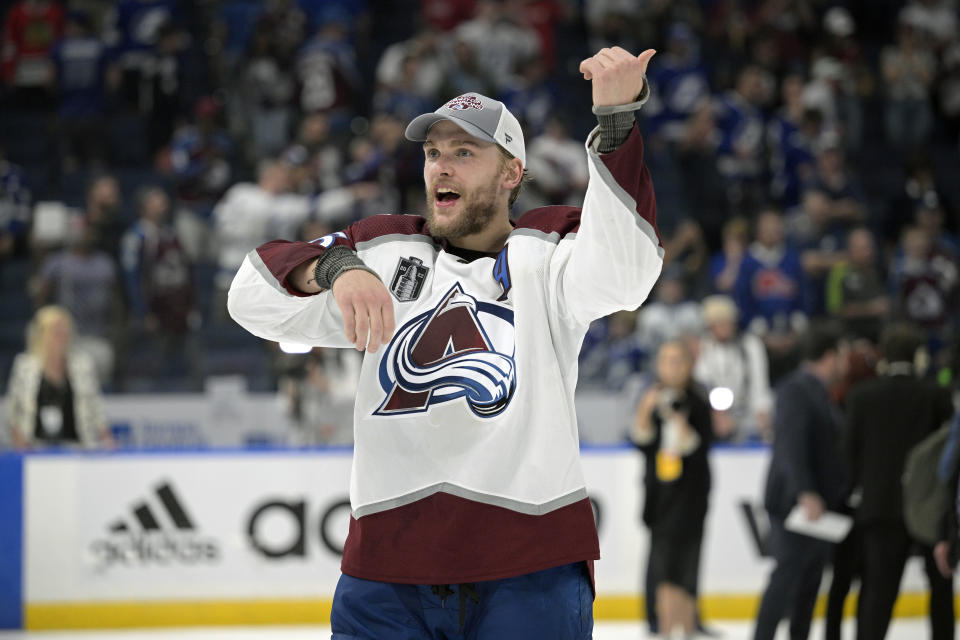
x=847, y=565
x=886, y=548
x=794, y=582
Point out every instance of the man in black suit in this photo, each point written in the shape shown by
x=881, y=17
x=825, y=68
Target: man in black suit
x=887, y=417
x=806, y=470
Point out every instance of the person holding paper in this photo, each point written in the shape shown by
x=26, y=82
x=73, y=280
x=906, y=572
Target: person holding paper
x=887, y=417
x=806, y=471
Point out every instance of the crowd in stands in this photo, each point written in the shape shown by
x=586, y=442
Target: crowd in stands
x=804, y=153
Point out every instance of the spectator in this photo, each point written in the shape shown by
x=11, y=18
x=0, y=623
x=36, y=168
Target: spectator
x=919, y=188
x=672, y=428
x=725, y=264
x=534, y=96
x=201, y=158
x=428, y=48
x=929, y=216
x=284, y=25
x=686, y=250
x=610, y=361
x=923, y=286
x=30, y=30
x=465, y=74
x=317, y=163
x=268, y=93
x=102, y=212
x=251, y=213
x=832, y=91
x=948, y=90
x=15, y=211
x=856, y=293
x=740, y=152
x=770, y=292
x=821, y=239
x=53, y=396
x=833, y=178
x=401, y=97
x=80, y=64
x=909, y=70
x=163, y=91
x=680, y=84
x=670, y=315
x=732, y=367
x=696, y=156
x=159, y=283
x=559, y=163
x=501, y=44
x=134, y=30
x=806, y=472
x=793, y=135
x=84, y=281
x=328, y=74
x=934, y=19
x=887, y=417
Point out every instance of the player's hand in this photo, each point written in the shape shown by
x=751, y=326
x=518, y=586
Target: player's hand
x=367, y=309
x=616, y=74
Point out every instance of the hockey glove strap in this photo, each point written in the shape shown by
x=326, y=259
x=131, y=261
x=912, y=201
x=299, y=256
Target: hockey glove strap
x=616, y=121
x=334, y=262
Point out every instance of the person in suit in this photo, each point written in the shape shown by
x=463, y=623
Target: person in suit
x=806, y=470
x=887, y=417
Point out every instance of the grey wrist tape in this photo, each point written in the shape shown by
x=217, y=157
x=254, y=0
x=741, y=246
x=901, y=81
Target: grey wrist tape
x=616, y=121
x=334, y=262
x=614, y=129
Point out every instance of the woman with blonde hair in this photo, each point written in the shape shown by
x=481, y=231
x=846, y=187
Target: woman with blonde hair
x=672, y=427
x=53, y=396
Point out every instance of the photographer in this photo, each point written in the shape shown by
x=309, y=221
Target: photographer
x=672, y=427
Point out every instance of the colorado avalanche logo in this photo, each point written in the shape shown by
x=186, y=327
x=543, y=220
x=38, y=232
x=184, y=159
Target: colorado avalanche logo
x=461, y=349
x=462, y=103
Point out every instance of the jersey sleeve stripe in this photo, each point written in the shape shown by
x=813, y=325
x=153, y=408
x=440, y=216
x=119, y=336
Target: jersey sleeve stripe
x=633, y=188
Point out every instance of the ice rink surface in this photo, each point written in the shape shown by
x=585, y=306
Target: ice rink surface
x=902, y=629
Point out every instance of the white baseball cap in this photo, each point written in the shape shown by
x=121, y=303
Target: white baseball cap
x=478, y=115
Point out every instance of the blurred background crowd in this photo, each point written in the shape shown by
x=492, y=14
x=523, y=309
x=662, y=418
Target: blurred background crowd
x=804, y=152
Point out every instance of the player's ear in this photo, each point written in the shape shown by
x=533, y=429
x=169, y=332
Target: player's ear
x=512, y=173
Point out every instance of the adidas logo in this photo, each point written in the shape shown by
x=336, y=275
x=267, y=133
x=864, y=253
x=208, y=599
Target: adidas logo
x=160, y=532
x=146, y=519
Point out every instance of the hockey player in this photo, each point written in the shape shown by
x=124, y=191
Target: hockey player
x=469, y=513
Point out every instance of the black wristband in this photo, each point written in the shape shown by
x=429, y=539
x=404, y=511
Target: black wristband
x=335, y=261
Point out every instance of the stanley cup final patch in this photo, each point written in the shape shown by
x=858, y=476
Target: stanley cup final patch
x=408, y=279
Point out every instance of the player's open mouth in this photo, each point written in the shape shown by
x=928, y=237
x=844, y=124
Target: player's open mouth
x=446, y=197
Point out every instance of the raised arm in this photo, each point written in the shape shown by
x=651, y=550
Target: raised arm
x=616, y=256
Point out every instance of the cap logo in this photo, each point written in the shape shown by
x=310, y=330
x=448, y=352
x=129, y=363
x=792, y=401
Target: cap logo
x=463, y=103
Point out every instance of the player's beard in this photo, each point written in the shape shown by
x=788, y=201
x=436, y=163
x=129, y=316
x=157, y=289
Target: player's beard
x=477, y=210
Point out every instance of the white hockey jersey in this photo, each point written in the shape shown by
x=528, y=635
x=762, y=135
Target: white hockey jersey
x=466, y=458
